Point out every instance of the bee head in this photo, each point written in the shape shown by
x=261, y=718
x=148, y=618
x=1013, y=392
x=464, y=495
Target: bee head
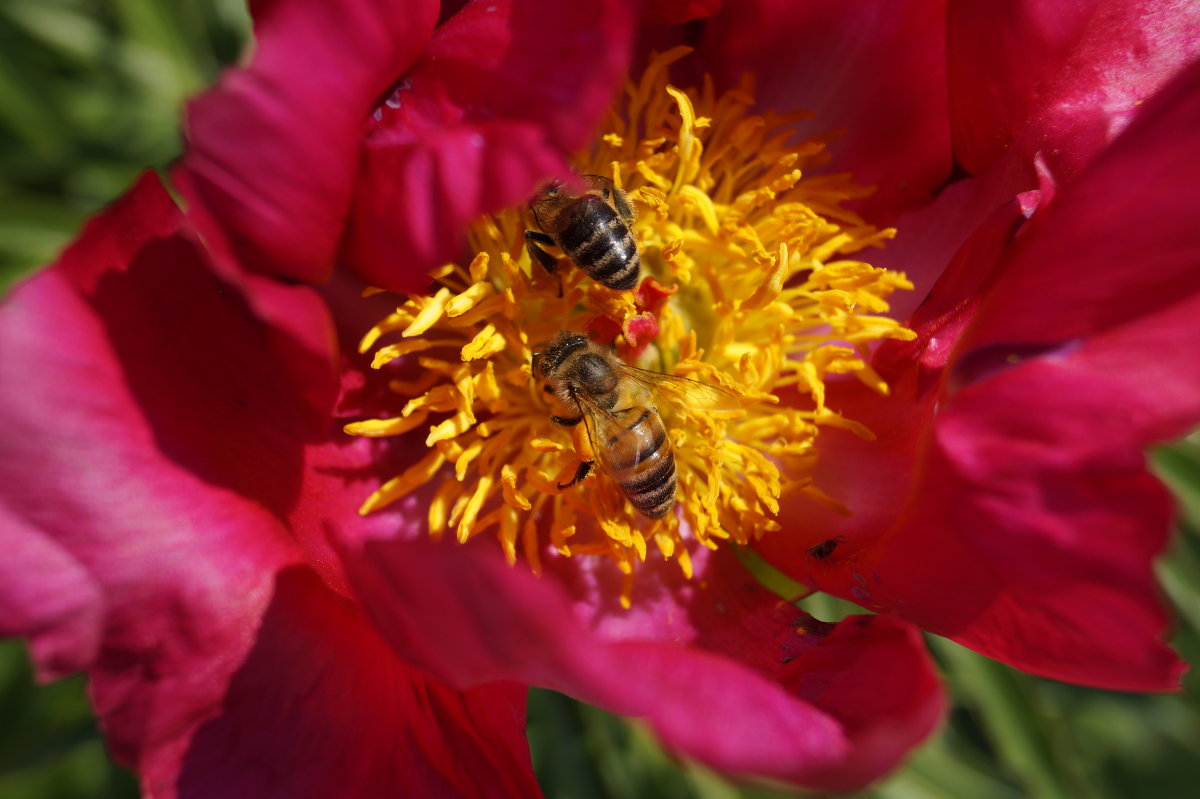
x=550, y=356
x=549, y=190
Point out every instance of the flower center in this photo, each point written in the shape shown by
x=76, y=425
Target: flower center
x=747, y=284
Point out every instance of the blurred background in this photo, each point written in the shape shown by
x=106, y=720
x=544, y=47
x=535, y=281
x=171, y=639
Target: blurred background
x=91, y=94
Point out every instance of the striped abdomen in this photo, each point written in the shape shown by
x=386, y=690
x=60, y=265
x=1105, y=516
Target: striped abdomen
x=600, y=243
x=640, y=461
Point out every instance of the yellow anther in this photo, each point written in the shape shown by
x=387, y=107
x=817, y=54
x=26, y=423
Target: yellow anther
x=430, y=310
x=374, y=428
x=508, y=481
x=487, y=342
x=469, y=298
x=413, y=477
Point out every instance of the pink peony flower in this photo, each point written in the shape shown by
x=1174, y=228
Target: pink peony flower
x=185, y=531
x=181, y=502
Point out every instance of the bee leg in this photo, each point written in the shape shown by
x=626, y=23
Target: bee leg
x=585, y=468
x=565, y=422
x=532, y=241
x=536, y=253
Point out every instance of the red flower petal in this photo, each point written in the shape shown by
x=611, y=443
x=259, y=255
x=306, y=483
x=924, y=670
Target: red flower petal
x=47, y=595
x=1126, y=245
x=875, y=70
x=722, y=670
x=415, y=200
x=1021, y=521
x=505, y=92
x=272, y=151
x=322, y=707
x=675, y=12
x=1059, y=78
x=123, y=482
x=872, y=673
x=1060, y=431
x=158, y=459
x=929, y=238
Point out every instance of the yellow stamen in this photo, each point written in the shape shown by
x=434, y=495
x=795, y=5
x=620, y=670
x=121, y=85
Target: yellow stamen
x=756, y=291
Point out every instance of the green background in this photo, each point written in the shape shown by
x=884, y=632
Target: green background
x=91, y=93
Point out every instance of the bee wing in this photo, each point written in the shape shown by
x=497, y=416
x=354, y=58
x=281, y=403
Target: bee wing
x=598, y=183
x=683, y=390
x=610, y=432
x=617, y=198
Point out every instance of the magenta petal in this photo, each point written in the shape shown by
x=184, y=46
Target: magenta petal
x=931, y=240
x=149, y=452
x=872, y=673
x=875, y=478
x=506, y=91
x=1100, y=298
x=1041, y=562
x=49, y=596
x=1058, y=78
x=675, y=12
x=322, y=708
x=1120, y=245
x=273, y=150
x=1042, y=566
x=721, y=669
x=1007, y=504
x=873, y=70
x=1097, y=303
x=416, y=200
x=869, y=673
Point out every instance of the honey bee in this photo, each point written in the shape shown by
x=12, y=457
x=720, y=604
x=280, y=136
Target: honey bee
x=615, y=401
x=591, y=228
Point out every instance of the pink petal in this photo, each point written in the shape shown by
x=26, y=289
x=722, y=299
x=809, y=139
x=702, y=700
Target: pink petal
x=416, y=199
x=1124, y=247
x=874, y=478
x=874, y=70
x=341, y=472
x=723, y=671
x=930, y=239
x=123, y=484
x=873, y=675
x=675, y=12
x=506, y=91
x=870, y=673
x=1062, y=584
x=48, y=595
x=1059, y=432
x=1059, y=78
x=273, y=150
x=156, y=457
x=1022, y=521
x=322, y=707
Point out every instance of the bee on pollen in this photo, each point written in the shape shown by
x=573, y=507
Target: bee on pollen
x=615, y=401
x=592, y=228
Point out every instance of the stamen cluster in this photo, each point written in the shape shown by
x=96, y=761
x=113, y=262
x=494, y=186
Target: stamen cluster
x=748, y=284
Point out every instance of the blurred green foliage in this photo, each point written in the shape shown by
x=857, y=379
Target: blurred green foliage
x=49, y=745
x=91, y=93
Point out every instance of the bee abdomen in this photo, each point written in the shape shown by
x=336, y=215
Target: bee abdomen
x=600, y=243
x=652, y=490
x=649, y=478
